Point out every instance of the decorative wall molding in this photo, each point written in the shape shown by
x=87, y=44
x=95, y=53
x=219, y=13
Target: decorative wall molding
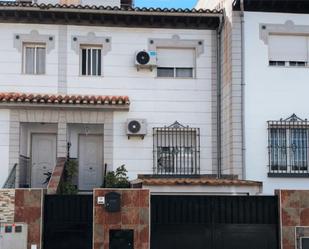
x=288, y=28
x=91, y=39
x=34, y=37
x=177, y=42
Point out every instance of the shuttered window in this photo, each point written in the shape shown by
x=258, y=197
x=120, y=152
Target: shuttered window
x=175, y=62
x=288, y=50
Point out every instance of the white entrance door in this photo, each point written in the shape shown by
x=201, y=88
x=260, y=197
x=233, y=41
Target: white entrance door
x=43, y=158
x=90, y=162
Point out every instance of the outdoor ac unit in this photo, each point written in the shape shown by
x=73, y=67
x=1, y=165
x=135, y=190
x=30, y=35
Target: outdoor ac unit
x=13, y=236
x=136, y=127
x=146, y=59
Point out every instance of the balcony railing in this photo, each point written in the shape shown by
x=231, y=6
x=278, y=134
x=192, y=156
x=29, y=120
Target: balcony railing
x=24, y=172
x=11, y=180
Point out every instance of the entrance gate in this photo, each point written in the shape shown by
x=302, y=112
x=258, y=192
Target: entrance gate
x=68, y=222
x=214, y=222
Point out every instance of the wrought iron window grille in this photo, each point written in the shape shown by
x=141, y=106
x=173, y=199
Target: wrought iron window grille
x=288, y=147
x=176, y=150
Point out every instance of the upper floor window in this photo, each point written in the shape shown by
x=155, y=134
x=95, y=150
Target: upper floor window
x=288, y=146
x=91, y=61
x=176, y=150
x=34, y=59
x=288, y=50
x=176, y=62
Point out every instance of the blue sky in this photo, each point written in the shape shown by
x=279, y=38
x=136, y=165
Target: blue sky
x=166, y=3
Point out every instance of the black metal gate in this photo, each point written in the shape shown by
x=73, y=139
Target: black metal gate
x=214, y=222
x=68, y=222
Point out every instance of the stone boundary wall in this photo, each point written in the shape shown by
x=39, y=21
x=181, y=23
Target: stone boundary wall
x=294, y=217
x=7, y=205
x=24, y=206
x=134, y=214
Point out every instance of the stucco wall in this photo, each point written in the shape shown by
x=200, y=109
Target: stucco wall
x=271, y=93
x=160, y=101
x=231, y=126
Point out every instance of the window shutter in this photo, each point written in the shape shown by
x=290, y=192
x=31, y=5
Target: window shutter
x=288, y=48
x=176, y=57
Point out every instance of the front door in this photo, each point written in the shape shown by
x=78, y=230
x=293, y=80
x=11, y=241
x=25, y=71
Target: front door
x=90, y=162
x=43, y=159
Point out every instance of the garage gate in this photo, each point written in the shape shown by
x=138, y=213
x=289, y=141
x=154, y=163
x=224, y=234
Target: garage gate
x=214, y=222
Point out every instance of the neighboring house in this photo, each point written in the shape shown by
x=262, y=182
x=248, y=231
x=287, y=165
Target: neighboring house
x=70, y=85
x=265, y=55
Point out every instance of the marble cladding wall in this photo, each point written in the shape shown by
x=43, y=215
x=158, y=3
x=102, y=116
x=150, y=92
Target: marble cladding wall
x=134, y=214
x=28, y=209
x=294, y=217
x=7, y=205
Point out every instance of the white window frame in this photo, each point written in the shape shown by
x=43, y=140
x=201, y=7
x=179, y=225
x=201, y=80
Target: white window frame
x=289, y=63
x=289, y=155
x=91, y=47
x=175, y=73
x=24, y=59
x=178, y=67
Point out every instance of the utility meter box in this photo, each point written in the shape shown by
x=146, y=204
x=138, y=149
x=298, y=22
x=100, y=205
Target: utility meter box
x=112, y=202
x=13, y=236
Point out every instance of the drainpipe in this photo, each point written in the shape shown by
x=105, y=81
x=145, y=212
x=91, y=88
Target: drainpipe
x=243, y=133
x=219, y=32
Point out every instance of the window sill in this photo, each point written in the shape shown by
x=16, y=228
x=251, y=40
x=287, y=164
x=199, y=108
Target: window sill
x=176, y=78
x=90, y=76
x=289, y=175
x=288, y=66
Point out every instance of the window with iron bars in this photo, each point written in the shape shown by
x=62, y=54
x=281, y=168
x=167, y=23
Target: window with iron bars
x=176, y=150
x=288, y=147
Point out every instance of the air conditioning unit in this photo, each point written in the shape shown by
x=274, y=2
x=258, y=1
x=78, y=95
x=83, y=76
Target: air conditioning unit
x=136, y=127
x=13, y=236
x=146, y=59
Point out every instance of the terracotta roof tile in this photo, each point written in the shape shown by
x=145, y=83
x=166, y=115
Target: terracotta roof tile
x=60, y=99
x=106, y=8
x=202, y=180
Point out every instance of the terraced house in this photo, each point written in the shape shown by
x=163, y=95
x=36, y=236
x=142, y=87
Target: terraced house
x=179, y=98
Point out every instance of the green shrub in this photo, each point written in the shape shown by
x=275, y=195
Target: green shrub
x=70, y=171
x=118, y=179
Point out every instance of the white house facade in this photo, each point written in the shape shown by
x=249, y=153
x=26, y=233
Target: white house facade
x=273, y=47
x=71, y=84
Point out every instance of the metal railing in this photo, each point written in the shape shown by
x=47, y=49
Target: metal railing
x=24, y=172
x=176, y=150
x=11, y=180
x=288, y=146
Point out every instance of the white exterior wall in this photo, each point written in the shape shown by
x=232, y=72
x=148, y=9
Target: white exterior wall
x=271, y=93
x=160, y=101
x=4, y=144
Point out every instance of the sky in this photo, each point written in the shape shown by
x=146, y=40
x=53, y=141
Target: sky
x=166, y=3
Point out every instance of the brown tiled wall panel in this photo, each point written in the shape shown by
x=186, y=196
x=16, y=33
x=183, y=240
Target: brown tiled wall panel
x=134, y=215
x=28, y=209
x=294, y=207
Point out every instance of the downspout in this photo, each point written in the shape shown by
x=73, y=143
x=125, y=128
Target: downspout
x=219, y=78
x=243, y=133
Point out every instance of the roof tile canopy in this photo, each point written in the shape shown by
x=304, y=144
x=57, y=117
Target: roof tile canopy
x=202, y=180
x=20, y=99
x=28, y=12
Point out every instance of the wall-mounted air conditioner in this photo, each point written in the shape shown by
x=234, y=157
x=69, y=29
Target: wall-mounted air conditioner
x=136, y=127
x=146, y=59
